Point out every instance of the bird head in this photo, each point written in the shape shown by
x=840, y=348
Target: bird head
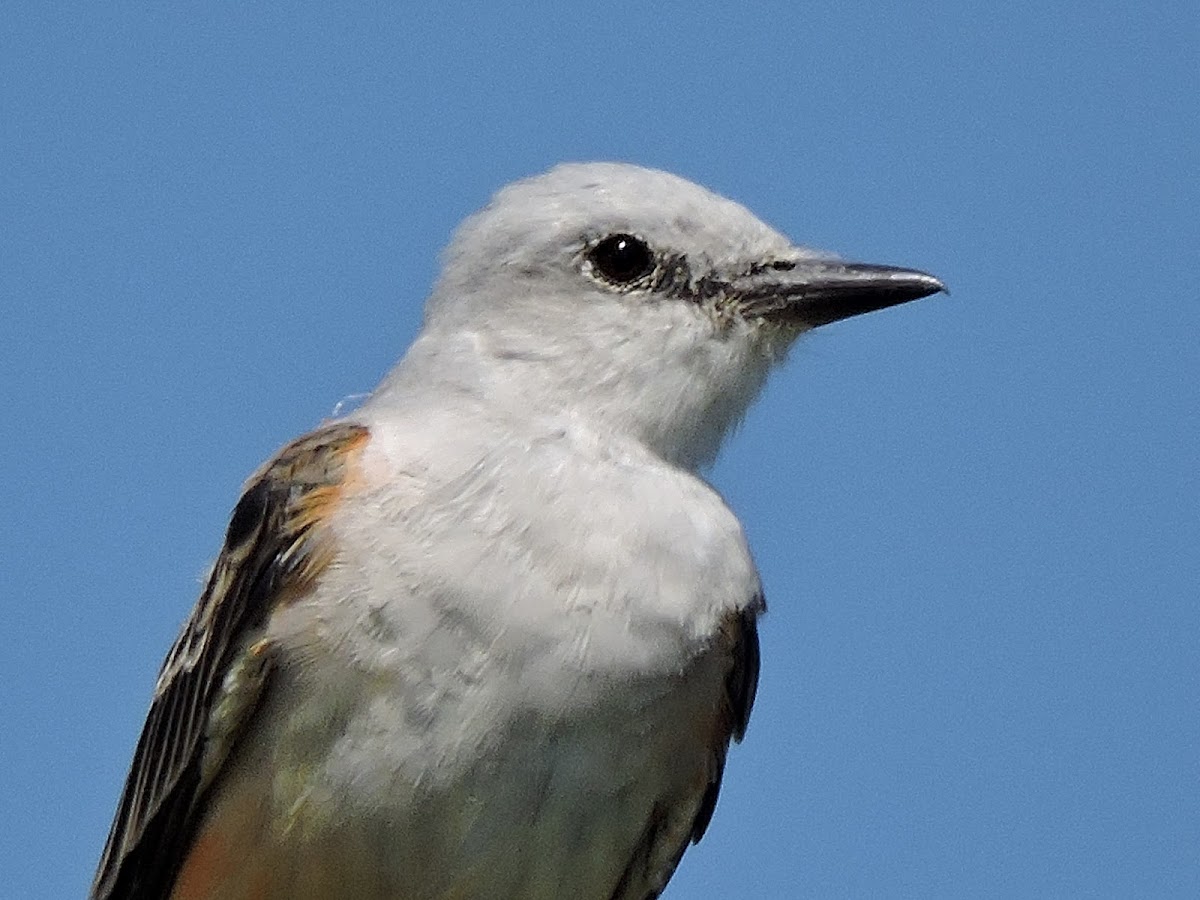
x=635, y=299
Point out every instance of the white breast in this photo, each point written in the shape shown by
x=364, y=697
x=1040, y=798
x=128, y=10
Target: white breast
x=506, y=669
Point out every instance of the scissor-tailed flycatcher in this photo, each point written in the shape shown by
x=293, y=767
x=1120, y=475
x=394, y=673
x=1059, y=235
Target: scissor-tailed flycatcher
x=489, y=636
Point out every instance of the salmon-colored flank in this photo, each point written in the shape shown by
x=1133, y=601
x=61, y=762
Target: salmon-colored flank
x=219, y=864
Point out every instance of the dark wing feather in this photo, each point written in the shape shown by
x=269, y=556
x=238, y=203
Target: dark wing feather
x=273, y=548
x=740, y=688
x=739, y=641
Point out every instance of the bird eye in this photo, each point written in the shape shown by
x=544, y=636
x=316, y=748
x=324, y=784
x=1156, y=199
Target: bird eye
x=622, y=258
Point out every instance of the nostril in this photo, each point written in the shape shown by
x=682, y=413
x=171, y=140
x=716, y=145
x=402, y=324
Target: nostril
x=783, y=265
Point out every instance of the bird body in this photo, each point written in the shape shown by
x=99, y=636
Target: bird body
x=491, y=635
x=457, y=728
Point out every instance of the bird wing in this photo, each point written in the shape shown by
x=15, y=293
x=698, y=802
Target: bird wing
x=668, y=834
x=275, y=548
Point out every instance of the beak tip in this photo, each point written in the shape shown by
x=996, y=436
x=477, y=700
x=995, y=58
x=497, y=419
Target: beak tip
x=931, y=284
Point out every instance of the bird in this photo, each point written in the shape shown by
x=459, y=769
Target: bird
x=492, y=633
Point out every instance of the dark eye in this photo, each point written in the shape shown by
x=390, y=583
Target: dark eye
x=622, y=258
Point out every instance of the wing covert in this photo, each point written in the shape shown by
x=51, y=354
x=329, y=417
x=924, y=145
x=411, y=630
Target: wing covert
x=274, y=547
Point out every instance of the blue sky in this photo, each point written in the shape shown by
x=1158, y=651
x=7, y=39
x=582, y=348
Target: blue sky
x=977, y=517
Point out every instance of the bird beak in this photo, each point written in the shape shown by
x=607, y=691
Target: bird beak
x=810, y=293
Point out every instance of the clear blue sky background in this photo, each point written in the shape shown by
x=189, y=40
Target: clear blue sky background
x=977, y=517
